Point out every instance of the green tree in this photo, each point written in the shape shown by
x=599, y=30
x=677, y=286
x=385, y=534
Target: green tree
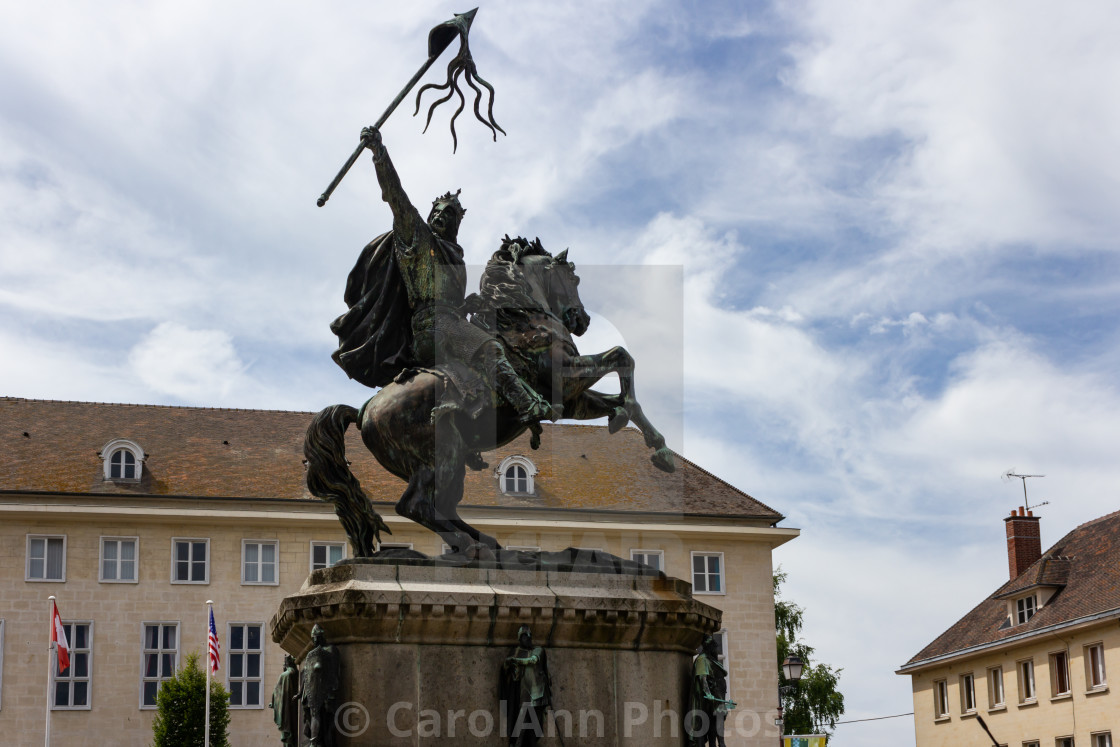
x=181, y=716
x=817, y=703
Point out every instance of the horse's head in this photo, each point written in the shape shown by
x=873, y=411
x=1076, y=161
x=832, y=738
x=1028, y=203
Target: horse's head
x=563, y=292
x=551, y=281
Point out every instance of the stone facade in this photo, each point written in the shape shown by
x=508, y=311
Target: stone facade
x=1033, y=660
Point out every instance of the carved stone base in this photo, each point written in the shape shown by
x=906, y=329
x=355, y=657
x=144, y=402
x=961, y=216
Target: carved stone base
x=422, y=649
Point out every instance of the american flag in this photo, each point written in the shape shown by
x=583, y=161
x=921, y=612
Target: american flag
x=215, y=647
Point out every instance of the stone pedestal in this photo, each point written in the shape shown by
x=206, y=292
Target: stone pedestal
x=422, y=647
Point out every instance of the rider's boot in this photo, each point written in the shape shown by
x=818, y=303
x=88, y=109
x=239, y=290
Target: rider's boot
x=530, y=406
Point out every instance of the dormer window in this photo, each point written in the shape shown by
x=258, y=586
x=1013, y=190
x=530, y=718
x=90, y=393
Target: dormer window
x=1024, y=609
x=515, y=476
x=122, y=461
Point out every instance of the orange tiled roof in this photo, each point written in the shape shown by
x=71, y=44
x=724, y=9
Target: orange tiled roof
x=1085, y=564
x=53, y=446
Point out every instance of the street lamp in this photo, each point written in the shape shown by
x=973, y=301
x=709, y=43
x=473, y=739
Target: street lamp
x=792, y=668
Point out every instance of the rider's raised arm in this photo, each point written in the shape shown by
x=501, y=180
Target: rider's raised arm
x=406, y=218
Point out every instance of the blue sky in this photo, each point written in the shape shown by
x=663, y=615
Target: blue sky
x=894, y=229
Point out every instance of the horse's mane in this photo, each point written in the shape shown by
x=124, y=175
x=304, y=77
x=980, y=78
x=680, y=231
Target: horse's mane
x=503, y=288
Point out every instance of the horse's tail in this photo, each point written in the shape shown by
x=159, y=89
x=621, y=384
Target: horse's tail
x=329, y=477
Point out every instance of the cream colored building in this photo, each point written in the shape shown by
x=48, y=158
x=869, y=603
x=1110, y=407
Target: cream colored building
x=1033, y=660
x=134, y=516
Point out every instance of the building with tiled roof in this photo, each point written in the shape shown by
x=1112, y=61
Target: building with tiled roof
x=1031, y=662
x=133, y=516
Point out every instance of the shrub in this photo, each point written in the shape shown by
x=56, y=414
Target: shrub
x=181, y=714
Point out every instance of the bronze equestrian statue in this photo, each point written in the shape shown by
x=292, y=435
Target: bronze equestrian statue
x=451, y=388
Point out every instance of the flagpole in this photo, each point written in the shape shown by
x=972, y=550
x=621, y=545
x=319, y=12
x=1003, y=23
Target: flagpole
x=50, y=676
x=209, y=614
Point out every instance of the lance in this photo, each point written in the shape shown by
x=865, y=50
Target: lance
x=439, y=38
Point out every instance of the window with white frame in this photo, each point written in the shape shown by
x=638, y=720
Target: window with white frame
x=968, y=693
x=326, y=554
x=46, y=558
x=258, y=562
x=1094, y=666
x=122, y=460
x=1063, y=742
x=653, y=558
x=159, y=659
x=118, y=560
x=71, y=685
x=244, y=676
x=190, y=561
x=1026, y=680
x=707, y=573
x=1059, y=674
x=1102, y=739
x=995, y=687
x=394, y=546
x=1024, y=609
x=940, y=699
x=516, y=475
x=1031, y=743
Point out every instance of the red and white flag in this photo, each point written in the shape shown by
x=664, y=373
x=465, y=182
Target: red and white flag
x=214, y=646
x=58, y=637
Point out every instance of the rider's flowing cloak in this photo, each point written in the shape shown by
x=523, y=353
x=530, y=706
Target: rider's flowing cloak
x=375, y=335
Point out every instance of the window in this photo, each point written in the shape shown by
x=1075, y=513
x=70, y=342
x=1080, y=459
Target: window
x=1063, y=742
x=326, y=554
x=71, y=686
x=707, y=574
x=653, y=558
x=46, y=558
x=1032, y=743
x=1059, y=673
x=995, y=687
x=1026, y=681
x=515, y=475
x=190, y=561
x=394, y=546
x=1024, y=609
x=258, y=562
x=122, y=460
x=118, y=559
x=244, y=677
x=516, y=480
x=1102, y=739
x=968, y=693
x=940, y=699
x=159, y=660
x=1094, y=663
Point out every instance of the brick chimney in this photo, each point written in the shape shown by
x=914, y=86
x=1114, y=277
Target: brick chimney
x=1024, y=543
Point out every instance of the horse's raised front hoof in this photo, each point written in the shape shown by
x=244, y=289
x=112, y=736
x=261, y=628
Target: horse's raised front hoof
x=619, y=419
x=663, y=460
x=535, y=439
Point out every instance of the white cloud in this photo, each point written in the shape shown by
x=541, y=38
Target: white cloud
x=193, y=365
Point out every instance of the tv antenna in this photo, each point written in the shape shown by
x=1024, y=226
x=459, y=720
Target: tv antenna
x=1026, y=501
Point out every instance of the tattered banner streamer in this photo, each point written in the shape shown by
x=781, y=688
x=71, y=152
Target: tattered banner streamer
x=461, y=65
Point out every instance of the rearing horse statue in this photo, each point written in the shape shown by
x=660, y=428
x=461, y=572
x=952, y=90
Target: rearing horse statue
x=427, y=426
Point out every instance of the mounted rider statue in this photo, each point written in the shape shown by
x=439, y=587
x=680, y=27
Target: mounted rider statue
x=405, y=299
